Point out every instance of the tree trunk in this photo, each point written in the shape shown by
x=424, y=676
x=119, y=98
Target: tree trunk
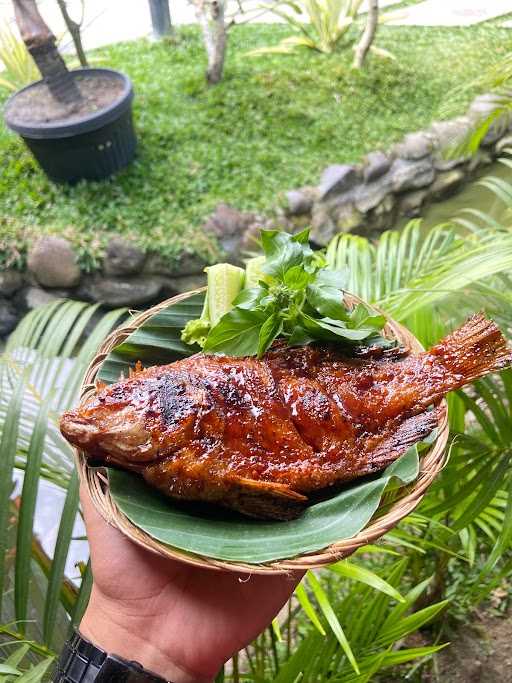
x=369, y=33
x=74, y=30
x=210, y=15
x=41, y=44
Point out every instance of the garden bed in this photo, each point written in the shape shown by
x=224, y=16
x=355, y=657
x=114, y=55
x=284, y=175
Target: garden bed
x=274, y=123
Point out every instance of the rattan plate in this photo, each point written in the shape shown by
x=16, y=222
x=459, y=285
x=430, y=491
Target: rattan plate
x=390, y=512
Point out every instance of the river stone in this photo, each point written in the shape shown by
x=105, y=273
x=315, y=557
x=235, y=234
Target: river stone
x=186, y=283
x=228, y=225
x=381, y=218
x=481, y=108
x=337, y=179
x=446, y=183
x=10, y=282
x=411, y=175
x=33, y=297
x=370, y=195
x=300, y=202
x=115, y=293
x=481, y=157
x=52, y=261
x=450, y=136
x=348, y=218
x=375, y=165
x=323, y=227
x=122, y=257
x=8, y=317
x=414, y=146
x=411, y=203
x=185, y=264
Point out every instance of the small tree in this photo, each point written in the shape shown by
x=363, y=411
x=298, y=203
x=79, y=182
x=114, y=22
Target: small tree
x=211, y=17
x=368, y=35
x=42, y=45
x=74, y=30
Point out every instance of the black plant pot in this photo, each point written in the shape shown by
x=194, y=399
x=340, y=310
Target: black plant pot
x=92, y=147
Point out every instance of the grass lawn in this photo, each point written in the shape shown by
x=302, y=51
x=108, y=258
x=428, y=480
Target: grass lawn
x=272, y=124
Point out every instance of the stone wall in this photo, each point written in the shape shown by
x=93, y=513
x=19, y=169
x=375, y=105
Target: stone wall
x=128, y=277
x=366, y=198
x=425, y=166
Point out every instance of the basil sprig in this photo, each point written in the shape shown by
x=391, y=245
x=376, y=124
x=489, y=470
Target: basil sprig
x=299, y=299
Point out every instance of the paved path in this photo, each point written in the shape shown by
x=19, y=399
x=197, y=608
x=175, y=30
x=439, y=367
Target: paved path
x=451, y=12
x=111, y=22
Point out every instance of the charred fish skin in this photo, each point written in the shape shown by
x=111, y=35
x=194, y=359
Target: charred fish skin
x=260, y=436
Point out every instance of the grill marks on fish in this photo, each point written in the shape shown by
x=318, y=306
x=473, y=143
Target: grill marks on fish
x=260, y=436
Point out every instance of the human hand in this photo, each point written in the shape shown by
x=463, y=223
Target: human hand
x=177, y=620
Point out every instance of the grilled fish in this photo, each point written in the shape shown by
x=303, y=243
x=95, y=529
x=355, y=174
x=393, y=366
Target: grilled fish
x=260, y=436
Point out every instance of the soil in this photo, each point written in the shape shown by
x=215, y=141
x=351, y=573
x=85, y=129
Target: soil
x=480, y=653
x=36, y=105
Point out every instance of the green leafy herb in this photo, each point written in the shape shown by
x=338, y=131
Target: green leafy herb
x=297, y=298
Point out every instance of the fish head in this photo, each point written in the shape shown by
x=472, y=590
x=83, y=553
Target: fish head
x=110, y=432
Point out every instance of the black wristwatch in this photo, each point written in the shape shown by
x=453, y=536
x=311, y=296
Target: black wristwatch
x=83, y=662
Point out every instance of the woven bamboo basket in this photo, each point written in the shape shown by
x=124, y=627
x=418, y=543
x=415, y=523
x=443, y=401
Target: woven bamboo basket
x=390, y=512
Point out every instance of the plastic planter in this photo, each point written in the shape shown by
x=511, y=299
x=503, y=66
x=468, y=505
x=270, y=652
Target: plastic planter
x=92, y=147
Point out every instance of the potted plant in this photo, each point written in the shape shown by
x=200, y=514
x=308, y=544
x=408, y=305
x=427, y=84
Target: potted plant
x=78, y=124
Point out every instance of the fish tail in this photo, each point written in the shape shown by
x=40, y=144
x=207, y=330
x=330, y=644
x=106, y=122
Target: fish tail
x=475, y=349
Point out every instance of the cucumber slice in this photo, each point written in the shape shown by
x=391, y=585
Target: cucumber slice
x=224, y=284
x=254, y=273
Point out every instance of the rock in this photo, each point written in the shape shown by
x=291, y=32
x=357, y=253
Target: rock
x=323, y=227
x=228, y=225
x=450, y=136
x=414, y=146
x=8, y=317
x=186, y=264
x=348, y=218
x=337, y=179
x=300, y=202
x=10, y=282
x=500, y=147
x=134, y=291
x=375, y=165
x=481, y=158
x=33, y=297
x=411, y=203
x=122, y=257
x=481, y=108
x=446, y=183
x=411, y=175
x=382, y=217
x=446, y=164
x=370, y=195
x=52, y=261
x=177, y=285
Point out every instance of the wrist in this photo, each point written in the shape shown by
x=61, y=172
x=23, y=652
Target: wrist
x=131, y=638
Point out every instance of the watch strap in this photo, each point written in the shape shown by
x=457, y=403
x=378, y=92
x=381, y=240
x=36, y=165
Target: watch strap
x=83, y=662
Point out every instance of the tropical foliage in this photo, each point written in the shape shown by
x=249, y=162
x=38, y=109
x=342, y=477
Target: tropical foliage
x=19, y=67
x=323, y=25
x=353, y=620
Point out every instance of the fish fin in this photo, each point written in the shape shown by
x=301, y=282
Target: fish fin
x=264, y=499
x=410, y=432
x=471, y=351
